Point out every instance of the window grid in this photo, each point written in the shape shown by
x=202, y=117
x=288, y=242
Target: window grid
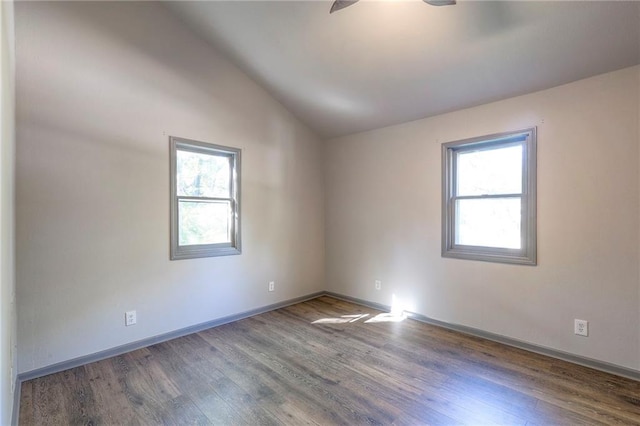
x=232, y=244
x=526, y=254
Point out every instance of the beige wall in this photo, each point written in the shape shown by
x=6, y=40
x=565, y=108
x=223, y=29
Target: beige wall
x=383, y=218
x=8, y=369
x=100, y=88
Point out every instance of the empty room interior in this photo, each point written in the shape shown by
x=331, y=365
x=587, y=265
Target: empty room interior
x=316, y=212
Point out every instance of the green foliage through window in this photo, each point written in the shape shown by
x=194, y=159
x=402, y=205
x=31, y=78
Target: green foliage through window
x=205, y=214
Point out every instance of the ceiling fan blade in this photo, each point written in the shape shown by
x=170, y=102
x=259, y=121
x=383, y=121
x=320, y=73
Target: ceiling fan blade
x=440, y=2
x=341, y=4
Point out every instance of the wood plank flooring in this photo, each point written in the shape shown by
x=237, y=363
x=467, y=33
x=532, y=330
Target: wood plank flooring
x=321, y=363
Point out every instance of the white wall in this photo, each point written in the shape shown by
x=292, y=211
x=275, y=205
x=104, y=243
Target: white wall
x=100, y=88
x=8, y=363
x=383, y=218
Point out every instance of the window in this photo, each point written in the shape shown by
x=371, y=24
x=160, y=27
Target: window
x=489, y=198
x=205, y=194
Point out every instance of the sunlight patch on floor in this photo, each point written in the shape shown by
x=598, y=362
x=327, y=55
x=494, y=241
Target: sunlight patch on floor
x=388, y=317
x=343, y=319
x=383, y=317
x=398, y=314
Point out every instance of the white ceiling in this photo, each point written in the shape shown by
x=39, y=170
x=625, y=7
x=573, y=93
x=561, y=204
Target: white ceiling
x=379, y=63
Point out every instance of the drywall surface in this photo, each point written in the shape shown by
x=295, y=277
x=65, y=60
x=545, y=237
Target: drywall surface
x=100, y=88
x=383, y=221
x=8, y=333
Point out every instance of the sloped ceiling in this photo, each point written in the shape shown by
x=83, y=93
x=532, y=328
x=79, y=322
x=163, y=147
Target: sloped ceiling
x=379, y=63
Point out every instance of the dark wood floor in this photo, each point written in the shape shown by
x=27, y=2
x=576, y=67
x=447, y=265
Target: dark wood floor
x=282, y=368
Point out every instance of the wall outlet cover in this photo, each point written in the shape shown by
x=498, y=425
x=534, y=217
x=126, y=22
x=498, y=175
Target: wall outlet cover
x=581, y=327
x=130, y=318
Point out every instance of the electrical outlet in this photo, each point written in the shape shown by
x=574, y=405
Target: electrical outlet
x=272, y=285
x=378, y=284
x=130, y=318
x=581, y=327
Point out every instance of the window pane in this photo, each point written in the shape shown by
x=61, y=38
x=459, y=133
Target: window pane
x=492, y=222
x=203, y=222
x=490, y=171
x=203, y=175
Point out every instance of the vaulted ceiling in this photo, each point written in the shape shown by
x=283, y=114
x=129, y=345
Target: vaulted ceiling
x=379, y=63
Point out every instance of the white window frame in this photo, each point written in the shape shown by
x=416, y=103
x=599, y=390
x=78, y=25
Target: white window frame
x=205, y=250
x=527, y=254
